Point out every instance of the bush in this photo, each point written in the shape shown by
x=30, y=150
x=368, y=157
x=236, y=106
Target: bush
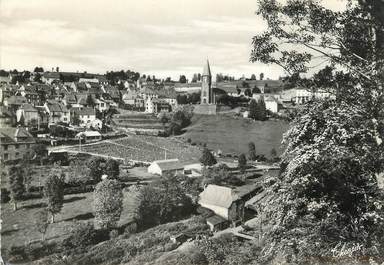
x=82, y=235
x=113, y=234
x=5, y=195
x=16, y=253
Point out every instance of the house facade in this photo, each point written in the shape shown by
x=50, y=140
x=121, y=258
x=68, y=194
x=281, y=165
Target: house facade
x=14, y=143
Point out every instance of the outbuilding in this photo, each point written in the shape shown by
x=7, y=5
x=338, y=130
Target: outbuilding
x=161, y=167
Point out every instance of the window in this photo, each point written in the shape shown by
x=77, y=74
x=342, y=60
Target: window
x=5, y=156
x=5, y=147
x=16, y=146
x=16, y=154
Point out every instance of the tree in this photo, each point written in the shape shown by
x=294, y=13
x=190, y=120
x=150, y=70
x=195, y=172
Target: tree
x=248, y=92
x=38, y=69
x=194, y=78
x=76, y=118
x=260, y=110
x=273, y=153
x=256, y=90
x=261, y=76
x=242, y=162
x=41, y=222
x=183, y=79
x=96, y=168
x=112, y=168
x=108, y=203
x=253, y=109
x=54, y=194
x=163, y=119
x=334, y=149
x=89, y=101
x=162, y=201
x=207, y=158
x=251, y=151
x=40, y=152
x=16, y=184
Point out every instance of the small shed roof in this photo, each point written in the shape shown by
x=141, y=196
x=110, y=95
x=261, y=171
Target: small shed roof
x=169, y=164
x=89, y=134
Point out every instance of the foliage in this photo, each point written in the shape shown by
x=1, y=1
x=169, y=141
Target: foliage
x=90, y=101
x=226, y=249
x=242, y=162
x=112, y=168
x=108, y=203
x=257, y=110
x=79, y=174
x=41, y=222
x=207, y=158
x=251, y=151
x=16, y=184
x=40, y=152
x=81, y=236
x=180, y=119
x=328, y=191
x=162, y=201
x=54, y=194
x=96, y=168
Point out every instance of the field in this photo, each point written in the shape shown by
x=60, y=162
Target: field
x=232, y=135
x=18, y=226
x=144, y=148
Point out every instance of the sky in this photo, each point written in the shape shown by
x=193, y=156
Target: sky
x=162, y=38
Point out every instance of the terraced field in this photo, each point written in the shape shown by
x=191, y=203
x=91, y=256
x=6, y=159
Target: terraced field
x=144, y=148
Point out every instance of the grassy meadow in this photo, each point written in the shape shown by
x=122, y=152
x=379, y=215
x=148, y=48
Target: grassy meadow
x=232, y=134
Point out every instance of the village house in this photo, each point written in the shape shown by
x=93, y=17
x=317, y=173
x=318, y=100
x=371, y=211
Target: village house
x=86, y=116
x=28, y=114
x=57, y=112
x=227, y=203
x=89, y=136
x=113, y=92
x=272, y=104
x=14, y=143
x=129, y=97
x=154, y=105
x=50, y=77
x=7, y=117
x=15, y=102
x=169, y=166
x=101, y=105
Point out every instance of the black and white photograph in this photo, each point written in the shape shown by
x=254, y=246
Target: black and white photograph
x=192, y=132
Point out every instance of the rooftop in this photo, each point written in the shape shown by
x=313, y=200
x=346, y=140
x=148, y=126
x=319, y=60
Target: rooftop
x=169, y=164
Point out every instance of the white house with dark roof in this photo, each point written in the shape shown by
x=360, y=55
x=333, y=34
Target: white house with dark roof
x=271, y=104
x=86, y=115
x=169, y=166
x=227, y=202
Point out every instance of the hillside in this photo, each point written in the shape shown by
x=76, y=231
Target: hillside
x=232, y=135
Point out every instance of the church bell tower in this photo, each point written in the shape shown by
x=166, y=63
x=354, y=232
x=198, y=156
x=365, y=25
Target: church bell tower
x=206, y=86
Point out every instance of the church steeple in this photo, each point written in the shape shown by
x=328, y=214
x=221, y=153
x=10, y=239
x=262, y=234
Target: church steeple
x=207, y=69
x=206, y=85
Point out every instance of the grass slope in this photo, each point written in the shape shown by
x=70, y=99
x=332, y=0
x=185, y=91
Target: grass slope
x=232, y=135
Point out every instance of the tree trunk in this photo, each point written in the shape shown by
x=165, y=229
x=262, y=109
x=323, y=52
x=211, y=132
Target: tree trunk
x=15, y=205
x=52, y=218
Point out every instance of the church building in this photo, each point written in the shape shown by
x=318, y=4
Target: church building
x=208, y=103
